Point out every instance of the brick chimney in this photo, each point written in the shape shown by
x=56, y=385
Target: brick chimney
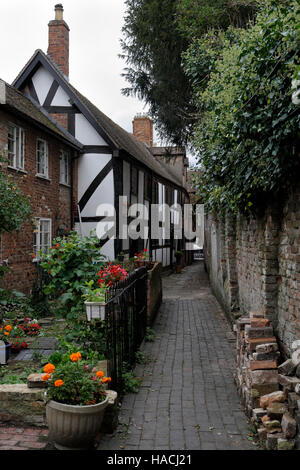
x=143, y=129
x=58, y=47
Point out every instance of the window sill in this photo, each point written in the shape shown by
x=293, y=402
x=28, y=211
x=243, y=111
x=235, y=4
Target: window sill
x=42, y=177
x=65, y=185
x=17, y=170
x=36, y=260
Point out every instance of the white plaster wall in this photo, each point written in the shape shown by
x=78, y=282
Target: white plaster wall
x=60, y=98
x=85, y=229
x=89, y=165
x=104, y=194
x=85, y=133
x=42, y=81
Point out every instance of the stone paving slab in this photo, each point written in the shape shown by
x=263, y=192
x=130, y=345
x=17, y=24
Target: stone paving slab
x=188, y=399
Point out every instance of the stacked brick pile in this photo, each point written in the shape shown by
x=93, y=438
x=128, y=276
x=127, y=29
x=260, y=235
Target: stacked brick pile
x=270, y=389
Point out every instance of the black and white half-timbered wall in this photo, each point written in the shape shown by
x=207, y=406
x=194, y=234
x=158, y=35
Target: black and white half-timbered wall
x=112, y=162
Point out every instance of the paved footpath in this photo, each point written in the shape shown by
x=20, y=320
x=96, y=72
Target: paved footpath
x=188, y=399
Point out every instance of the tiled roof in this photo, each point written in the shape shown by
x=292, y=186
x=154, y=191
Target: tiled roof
x=121, y=139
x=29, y=108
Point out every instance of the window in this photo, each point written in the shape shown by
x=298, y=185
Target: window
x=64, y=168
x=42, y=237
x=16, y=137
x=42, y=158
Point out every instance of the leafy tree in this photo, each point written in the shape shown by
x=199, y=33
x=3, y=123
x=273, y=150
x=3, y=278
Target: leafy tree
x=155, y=34
x=248, y=135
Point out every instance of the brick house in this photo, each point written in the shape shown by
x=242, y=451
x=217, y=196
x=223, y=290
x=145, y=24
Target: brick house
x=40, y=155
x=105, y=161
x=112, y=162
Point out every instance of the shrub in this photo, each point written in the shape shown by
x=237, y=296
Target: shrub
x=71, y=262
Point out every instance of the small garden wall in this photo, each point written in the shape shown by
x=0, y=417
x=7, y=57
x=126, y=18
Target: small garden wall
x=154, y=292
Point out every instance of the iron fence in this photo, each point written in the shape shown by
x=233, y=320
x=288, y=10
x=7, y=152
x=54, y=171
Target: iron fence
x=126, y=321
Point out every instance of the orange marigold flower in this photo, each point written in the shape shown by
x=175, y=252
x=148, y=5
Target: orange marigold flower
x=106, y=380
x=100, y=374
x=57, y=245
x=58, y=383
x=46, y=377
x=49, y=368
x=75, y=356
x=6, y=333
x=8, y=327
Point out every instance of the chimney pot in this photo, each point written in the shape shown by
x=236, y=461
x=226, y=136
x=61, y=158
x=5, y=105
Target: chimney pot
x=59, y=12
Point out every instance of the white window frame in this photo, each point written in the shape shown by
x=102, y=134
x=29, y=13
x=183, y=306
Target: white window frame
x=42, y=159
x=39, y=244
x=64, y=159
x=16, y=154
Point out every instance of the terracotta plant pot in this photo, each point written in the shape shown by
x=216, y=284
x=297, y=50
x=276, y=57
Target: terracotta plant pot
x=178, y=269
x=74, y=426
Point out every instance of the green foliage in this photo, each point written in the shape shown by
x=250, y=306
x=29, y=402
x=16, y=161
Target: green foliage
x=195, y=17
x=9, y=377
x=87, y=336
x=155, y=34
x=152, y=50
x=15, y=207
x=150, y=335
x=248, y=134
x=131, y=383
x=72, y=261
x=141, y=357
x=79, y=385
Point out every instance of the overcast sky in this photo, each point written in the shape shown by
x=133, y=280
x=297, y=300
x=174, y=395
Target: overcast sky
x=95, y=33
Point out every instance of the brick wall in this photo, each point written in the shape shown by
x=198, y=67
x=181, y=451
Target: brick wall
x=254, y=264
x=49, y=199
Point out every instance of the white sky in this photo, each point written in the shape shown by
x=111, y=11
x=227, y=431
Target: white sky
x=95, y=32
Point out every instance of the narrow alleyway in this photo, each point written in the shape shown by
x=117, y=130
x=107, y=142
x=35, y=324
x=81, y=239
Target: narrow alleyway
x=188, y=399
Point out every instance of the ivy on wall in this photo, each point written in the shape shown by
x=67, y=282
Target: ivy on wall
x=247, y=135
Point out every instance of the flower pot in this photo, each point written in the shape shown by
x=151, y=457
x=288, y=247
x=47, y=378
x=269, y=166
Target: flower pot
x=5, y=350
x=95, y=310
x=178, y=269
x=73, y=426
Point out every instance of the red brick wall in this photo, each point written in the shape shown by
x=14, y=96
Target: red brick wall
x=143, y=130
x=58, y=47
x=48, y=199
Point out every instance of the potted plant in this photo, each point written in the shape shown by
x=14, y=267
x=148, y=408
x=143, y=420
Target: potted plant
x=141, y=258
x=5, y=344
x=95, y=301
x=76, y=401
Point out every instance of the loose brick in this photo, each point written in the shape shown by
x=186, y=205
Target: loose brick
x=274, y=397
x=259, y=365
x=260, y=332
x=271, y=347
x=258, y=322
x=254, y=343
x=287, y=368
x=289, y=383
x=289, y=426
x=260, y=377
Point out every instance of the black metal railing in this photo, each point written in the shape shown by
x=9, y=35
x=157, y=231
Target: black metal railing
x=126, y=321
